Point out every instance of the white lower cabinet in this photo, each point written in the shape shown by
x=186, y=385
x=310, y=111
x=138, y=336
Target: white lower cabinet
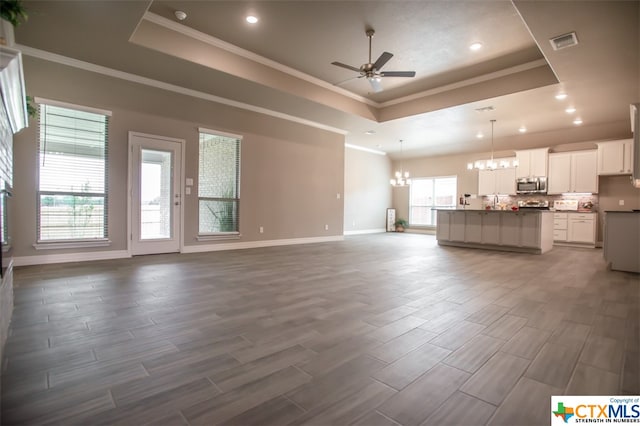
x=529, y=229
x=582, y=228
x=490, y=228
x=457, y=225
x=576, y=228
x=443, y=226
x=510, y=230
x=473, y=228
x=560, y=226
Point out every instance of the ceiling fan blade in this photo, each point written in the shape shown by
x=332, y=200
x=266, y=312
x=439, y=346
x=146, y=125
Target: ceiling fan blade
x=349, y=67
x=383, y=59
x=398, y=74
x=376, y=84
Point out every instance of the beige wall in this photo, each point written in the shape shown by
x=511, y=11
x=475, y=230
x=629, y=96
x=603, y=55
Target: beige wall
x=451, y=165
x=367, y=190
x=290, y=174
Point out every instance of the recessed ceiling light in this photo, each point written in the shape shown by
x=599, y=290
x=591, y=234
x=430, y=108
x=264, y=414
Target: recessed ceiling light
x=252, y=19
x=522, y=129
x=475, y=46
x=577, y=121
x=570, y=110
x=560, y=96
x=370, y=132
x=479, y=135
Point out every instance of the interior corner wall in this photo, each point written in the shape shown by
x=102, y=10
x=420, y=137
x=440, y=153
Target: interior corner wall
x=367, y=193
x=290, y=173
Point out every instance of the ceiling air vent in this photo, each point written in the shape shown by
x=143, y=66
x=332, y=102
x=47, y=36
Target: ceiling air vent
x=565, y=40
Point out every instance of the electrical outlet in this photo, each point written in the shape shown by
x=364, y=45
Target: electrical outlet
x=187, y=190
x=338, y=196
x=621, y=202
x=261, y=230
x=326, y=227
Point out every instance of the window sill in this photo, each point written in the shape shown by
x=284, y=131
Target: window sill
x=219, y=236
x=53, y=245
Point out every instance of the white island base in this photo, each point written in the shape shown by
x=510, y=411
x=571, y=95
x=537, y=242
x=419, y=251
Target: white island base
x=528, y=231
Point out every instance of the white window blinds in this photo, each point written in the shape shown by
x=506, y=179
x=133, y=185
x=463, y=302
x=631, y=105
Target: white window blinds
x=218, y=184
x=72, y=165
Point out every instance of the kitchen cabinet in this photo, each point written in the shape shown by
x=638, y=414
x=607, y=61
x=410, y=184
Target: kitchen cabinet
x=529, y=229
x=528, y=232
x=621, y=242
x=450, y=225
x=575, y=228
x=498, y=181
x=473, y=227
x=582, y=228
x=573, y=172
x=443, y=225
x=532, y=163
x=615, y=157
x=560, y=227
x=490, y=228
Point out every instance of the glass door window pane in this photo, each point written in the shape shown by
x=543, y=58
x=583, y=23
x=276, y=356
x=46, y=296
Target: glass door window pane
x=155, y=194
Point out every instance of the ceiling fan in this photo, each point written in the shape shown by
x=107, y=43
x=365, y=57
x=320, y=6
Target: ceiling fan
x=371, y=70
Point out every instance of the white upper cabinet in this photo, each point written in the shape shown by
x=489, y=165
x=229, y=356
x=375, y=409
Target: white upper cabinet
x=532, y=162
x=573, y=172
x=498, y=181
x=615, y=157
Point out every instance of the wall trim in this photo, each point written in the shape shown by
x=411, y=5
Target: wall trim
x=45, y=259
x=99, y=69
x=365, y=231
x=257, y=244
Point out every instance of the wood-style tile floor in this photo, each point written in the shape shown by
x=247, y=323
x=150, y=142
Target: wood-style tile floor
x=377, y=330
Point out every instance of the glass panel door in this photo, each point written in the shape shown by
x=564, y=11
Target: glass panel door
x=155, y=194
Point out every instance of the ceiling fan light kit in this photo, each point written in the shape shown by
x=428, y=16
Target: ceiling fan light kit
x=371, y=70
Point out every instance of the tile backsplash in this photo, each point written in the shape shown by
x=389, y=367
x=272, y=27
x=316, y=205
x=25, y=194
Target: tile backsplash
x=512, y=200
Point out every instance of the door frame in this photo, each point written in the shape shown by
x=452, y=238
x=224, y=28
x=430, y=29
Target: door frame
x=181, y=178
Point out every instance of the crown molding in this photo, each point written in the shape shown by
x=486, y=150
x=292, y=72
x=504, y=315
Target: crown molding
x=99, y=69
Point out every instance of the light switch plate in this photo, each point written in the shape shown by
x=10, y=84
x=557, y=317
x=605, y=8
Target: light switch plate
x=189, y=182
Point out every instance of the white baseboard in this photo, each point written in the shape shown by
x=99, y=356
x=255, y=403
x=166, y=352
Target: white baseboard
x=258, y=244
x=120, y=254
x=70, y=257
x=365, y=231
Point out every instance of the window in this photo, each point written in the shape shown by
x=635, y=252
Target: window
x=218, y=183
x=427, y=195
x=72, y=168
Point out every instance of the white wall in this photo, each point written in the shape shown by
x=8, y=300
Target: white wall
x=367, y=192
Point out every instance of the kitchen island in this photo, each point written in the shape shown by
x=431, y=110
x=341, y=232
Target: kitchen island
x=525, y=231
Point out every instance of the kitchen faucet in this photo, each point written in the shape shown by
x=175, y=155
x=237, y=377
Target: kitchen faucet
x=496, y=200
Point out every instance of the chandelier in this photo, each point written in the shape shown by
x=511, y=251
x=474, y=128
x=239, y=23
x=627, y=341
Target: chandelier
x=491, y=164
x=401, y=177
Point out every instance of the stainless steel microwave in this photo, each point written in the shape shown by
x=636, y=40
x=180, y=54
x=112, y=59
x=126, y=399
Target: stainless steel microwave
x=531, y=185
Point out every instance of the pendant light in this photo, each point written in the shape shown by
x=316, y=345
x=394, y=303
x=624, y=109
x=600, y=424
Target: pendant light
x=490, y=164
x=401, y=176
